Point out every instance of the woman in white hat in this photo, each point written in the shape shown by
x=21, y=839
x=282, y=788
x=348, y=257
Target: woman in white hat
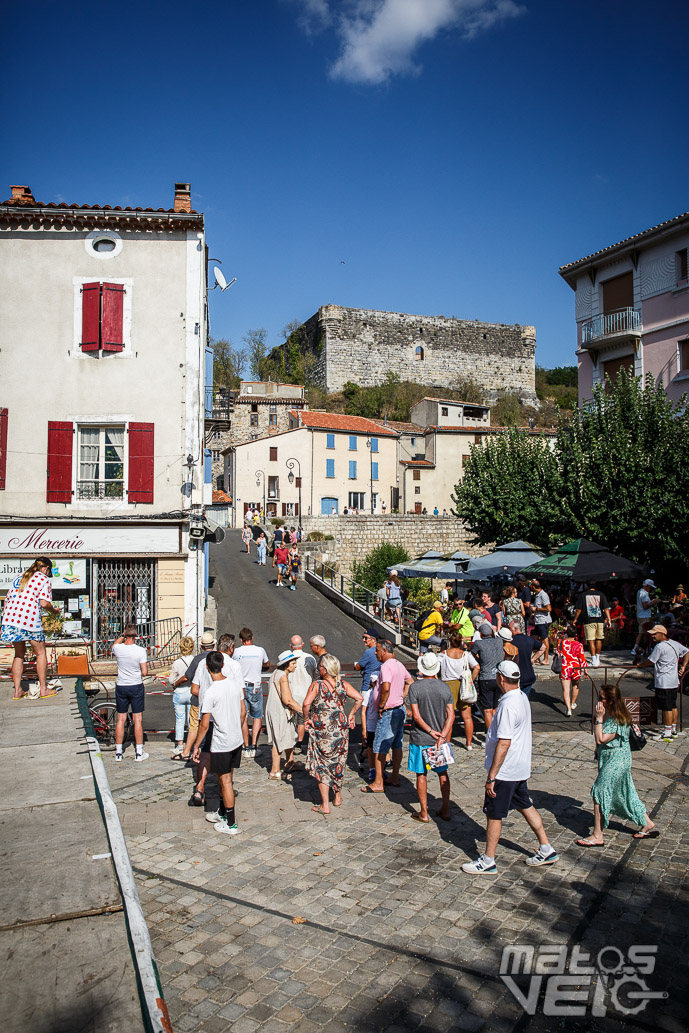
x=280, y=715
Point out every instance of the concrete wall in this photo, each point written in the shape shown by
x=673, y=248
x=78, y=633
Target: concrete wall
x=361, y=345
x=357, y=535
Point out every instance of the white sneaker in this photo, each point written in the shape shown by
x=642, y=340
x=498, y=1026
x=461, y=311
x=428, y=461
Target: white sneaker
x=213, y=816
x=119, y=757
x=228, y=830
x=569, y=713
x=538, y=859
x=469, y=749
x=479, y=867
x=141, y=756
x=574, y=706
x=595, y=661
x=252, y=752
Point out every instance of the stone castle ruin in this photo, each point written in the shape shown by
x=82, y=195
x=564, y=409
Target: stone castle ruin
x=361, y=345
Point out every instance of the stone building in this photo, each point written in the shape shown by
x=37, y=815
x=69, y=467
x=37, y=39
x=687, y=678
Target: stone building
x=361, y=345
x=258, y=409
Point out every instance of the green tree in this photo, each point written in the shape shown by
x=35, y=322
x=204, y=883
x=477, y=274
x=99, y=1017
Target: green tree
x=624, y=470
x=372, y=570
x=228, y=364
x=511, y=489
x=255, y=341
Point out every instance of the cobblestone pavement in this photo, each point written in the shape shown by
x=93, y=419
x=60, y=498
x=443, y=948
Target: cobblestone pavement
x=364, y=920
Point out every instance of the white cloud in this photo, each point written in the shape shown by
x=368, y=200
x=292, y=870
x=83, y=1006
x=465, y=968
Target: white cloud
x=379, y=37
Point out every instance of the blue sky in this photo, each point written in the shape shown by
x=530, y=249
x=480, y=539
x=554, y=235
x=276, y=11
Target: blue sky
x=429, y=156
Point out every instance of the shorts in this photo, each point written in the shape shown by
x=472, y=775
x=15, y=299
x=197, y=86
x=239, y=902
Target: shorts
x=206, y=744
x=666, y=699
x=643, y=624
x=542, y=630
x=488, y=694
x=454, y=687
x=11, y=634
x=193, y=719
x=224, y=763
x=253, y=697
x=282, y=568
x=417, y=764
x=596, y=630
x=389, y=730
x=509, y=796
x=127, y=696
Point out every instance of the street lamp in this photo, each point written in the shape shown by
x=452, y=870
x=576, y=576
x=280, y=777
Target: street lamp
x=370, y=464
x=259, y=474
x=290, y=464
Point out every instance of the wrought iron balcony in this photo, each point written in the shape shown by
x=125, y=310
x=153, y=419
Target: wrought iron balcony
x=621, y=323
x=100, y=489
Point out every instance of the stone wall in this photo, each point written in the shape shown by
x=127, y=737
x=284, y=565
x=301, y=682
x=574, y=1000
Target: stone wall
x=357, y=535
x=361, y=345
x=246, y=409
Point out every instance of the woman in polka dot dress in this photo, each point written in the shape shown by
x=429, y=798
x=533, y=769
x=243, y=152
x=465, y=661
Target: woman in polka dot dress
x=21, y=621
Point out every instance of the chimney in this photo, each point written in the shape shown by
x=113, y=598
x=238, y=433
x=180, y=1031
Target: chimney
x=22, y=194
x=182, y=197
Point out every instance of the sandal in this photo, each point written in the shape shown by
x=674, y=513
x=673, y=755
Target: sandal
x=646, y=834
x=15, y=698
x=181, y=756
x=197, y=799
x=319, y=810
x=47, y=695
x=588, y=842
x=417, y=817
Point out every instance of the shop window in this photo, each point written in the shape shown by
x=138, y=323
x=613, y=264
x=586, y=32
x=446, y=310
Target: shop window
x=273, y=454
x=124, y=593
x=101, y=463
x=416, y=475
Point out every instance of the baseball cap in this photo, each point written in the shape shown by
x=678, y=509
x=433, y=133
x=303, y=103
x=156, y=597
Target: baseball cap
x=208, y=639
x=393, y=572
x=508, y=669
x=428, y=664
x=486, y=629
x=437, y=606
x=371, y=632
x=658, y=629
x=649, y=582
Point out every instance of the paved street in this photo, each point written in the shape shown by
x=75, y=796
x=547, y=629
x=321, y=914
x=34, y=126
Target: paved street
x=395, y=935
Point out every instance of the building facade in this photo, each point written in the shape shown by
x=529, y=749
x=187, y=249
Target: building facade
x=102, y=445
x=632, y=308
x=362, y=345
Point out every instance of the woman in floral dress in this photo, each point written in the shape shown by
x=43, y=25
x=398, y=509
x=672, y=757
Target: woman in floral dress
x=328, y=727
x=613, y=791
x=513, y=609
x=573, y=663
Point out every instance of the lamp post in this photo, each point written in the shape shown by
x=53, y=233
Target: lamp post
x=259, y=474
x=370, y=468
x=290, y=464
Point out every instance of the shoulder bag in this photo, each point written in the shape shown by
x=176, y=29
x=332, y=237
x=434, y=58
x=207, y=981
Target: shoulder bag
x=637, y=739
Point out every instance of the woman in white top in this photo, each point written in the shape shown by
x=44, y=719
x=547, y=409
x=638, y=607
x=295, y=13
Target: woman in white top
x=281, y=715
x=21, y=621
x=457, y=665
x=181, y=696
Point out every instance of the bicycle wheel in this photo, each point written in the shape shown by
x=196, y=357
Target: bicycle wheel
x=103, y=718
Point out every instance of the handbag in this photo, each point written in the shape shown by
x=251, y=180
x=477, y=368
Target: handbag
x=467, y=689
x=437, y=756
x=637, y=739
x=556, y=665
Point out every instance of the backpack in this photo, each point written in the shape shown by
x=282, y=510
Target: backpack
x=421, y=620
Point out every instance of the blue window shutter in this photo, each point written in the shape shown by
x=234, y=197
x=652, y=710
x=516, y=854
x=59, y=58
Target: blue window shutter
x=352, y=469
x=352, y=443
x=374, y=444
x=374, y=471
x=330, y=441
x=330, y=468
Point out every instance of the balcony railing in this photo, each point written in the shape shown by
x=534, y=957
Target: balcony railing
x=100, y=489
x=622, y=321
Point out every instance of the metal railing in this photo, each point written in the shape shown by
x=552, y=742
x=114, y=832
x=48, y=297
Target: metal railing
x=348, y=588
x=624, y=319
x=160, y=639
x=100, y=489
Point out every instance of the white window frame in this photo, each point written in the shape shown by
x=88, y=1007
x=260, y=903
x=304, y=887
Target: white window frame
x=116, y=500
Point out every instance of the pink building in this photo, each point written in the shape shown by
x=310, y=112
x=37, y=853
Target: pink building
x=632, y=308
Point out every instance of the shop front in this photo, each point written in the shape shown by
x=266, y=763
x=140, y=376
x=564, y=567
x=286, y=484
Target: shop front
x=104, y=576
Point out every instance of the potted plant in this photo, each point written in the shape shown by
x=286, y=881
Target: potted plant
x=53, y=624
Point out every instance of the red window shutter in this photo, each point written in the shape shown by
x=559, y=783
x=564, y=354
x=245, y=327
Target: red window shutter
x=113, y=311
x=140, y=462
x=284, y=509
x=60, y=447
x=296, y=509
x=3, y=447
x=90, y=317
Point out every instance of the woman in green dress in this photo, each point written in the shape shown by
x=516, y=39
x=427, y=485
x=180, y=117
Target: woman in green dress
x=613, y=791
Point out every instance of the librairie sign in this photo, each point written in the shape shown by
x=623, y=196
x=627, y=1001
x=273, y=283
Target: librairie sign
x=88, y=541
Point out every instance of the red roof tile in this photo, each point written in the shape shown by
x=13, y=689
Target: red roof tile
x=221, y=498
x=20, y=202
x=416, y=462
x=623, y=243
x=338, y=421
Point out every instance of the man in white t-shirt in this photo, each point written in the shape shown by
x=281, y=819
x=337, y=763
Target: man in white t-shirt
x=223, y=702
x=206, y=791
x=508, y=763
x=668, y=673
x=132, y=668
x=253, y=660
x=300, y=681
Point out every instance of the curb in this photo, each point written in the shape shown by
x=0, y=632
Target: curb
x=153, y=1008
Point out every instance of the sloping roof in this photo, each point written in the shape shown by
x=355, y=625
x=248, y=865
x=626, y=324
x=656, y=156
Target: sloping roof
x=417, y=462
x=454, y=401
x=221, y=498
x=676, y=221
x=338, y=421
x=401, y=427
x=21, y=202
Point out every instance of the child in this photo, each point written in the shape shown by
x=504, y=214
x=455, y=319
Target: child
x=294, y=566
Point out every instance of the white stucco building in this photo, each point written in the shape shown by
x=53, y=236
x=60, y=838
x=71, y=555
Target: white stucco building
x=102, y=406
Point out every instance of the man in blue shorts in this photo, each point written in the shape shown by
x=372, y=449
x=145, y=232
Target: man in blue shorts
x=433, y=714
x=132, y=668
x=508, y=763
x=393, y=684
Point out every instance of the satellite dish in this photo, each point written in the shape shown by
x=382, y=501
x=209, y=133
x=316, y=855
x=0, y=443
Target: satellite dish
x=220, y=280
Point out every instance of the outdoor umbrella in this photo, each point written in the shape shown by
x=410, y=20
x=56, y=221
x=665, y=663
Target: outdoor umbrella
x=432, y=565
x=583, y=560
x=507, y=559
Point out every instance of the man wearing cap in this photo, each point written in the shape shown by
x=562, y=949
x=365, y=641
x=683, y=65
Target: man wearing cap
x=508, y=763
x=432, y=624
x=368, y=664
x=644, y=611
x=433, y=714
x=489, y=652
x=667, y=675
x=388, y=697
